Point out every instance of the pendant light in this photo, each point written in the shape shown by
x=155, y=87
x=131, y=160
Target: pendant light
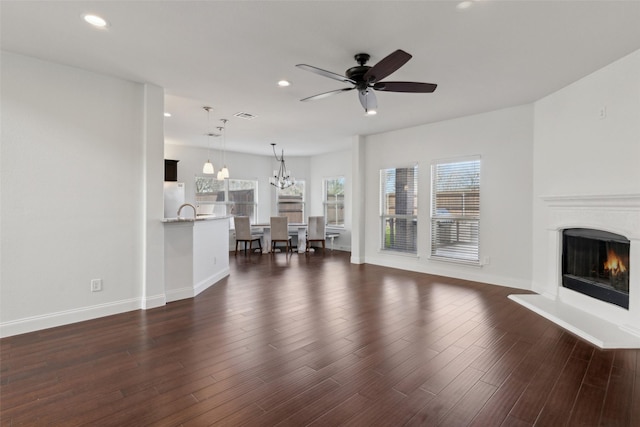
x=208, y=167
x=282, y=177
x=224, y=172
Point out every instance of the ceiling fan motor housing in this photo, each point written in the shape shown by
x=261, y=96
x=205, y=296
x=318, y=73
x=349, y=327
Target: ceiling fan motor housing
x=356, y=73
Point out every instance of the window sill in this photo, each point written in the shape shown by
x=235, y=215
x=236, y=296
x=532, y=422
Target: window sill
x=398, y=253
x=455, y=261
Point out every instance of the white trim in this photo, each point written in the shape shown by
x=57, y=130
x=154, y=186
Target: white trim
x=153, y=301
x=594, y=201
x=186, y=292
x=51, y=320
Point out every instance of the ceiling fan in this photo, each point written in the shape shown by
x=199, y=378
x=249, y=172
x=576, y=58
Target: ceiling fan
x=364, y=78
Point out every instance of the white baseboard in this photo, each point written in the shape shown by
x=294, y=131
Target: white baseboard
x=191, y=291
x=51, y=320
x=153, y=302
x=459, y=271
x=180, y=293
x=210, y=281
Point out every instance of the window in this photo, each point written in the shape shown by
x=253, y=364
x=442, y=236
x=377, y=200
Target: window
x=242, y=198
x=290, y=202
x=333, y=193
x=399, y=216
x=455, y=210
x=235, y=197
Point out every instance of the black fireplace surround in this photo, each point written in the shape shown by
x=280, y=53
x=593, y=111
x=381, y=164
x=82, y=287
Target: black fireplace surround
x=596, y=263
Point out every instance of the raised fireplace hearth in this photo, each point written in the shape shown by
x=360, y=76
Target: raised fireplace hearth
x=591, y=287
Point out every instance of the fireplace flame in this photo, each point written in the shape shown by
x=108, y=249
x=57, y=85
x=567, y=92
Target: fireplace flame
x=614, y=264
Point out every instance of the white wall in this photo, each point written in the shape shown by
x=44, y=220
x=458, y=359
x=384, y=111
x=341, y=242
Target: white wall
x=332, y=165
x=503, y=139
x=579, y=152
x=73, y=193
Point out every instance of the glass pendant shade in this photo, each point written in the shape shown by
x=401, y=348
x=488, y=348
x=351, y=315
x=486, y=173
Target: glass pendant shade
x=208, y=168
x=224, y=172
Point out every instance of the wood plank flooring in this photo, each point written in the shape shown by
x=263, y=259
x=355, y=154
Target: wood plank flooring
x=295, y=340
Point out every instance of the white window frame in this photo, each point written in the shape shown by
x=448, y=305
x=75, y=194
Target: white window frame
x=208, y=189
x=393, y=225
x=455, y=210
x=289, y=191
x=232, y=205
x=336, y=205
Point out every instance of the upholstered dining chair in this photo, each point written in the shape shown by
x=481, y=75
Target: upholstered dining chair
x=280, y=232
x=243, y=234
x=315, y=231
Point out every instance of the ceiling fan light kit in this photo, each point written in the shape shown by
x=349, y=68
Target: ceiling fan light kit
x=367, y=79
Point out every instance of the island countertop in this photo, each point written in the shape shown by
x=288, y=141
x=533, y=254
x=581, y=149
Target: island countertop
x=198, y=218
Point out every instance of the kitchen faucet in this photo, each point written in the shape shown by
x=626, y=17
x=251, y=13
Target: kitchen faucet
x=187, y=204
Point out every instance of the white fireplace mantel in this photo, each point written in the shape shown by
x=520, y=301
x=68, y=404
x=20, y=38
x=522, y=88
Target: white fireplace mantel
x=601, y=323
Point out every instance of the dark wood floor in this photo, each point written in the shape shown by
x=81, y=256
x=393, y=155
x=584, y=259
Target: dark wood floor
x=314, y=340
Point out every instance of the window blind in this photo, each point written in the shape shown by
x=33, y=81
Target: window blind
x=242, y=198
x=399, y=209
x=455, y=210
x=290, y=202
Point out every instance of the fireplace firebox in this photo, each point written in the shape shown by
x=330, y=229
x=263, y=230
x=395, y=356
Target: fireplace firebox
x=596, y=263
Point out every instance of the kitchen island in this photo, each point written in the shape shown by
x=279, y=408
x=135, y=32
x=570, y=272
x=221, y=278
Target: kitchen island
x=196, y=254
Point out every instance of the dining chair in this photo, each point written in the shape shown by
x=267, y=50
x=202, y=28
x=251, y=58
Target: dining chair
x=315, y=231
x=243, y=234
x=280, y=232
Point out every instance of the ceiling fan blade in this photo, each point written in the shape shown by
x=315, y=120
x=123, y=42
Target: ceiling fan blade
x=325, y=73
x=368, y=99
x=386, y=66
x=326, y=94
x=415, y=87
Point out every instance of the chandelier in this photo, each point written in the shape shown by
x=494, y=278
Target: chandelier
x=282, y=177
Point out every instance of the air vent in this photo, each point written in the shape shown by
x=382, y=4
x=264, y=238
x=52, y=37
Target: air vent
x=246, y=116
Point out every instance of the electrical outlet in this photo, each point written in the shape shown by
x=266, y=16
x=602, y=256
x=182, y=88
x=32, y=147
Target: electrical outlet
x=602, y=113
x=96, y=285
x=486, y=260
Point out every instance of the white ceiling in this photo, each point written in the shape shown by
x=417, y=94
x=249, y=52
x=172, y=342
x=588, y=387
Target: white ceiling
x=230, y=55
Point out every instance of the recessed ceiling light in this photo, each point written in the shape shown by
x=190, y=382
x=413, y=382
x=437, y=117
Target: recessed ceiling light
x=464, y=5
x=283, y=83
x=95, y=20
x=167, y=114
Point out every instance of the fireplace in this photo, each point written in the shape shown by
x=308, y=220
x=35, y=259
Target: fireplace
x=596, y=263
x=582, y=275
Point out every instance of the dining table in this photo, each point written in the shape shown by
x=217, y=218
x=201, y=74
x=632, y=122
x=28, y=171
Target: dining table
x=296, y=229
